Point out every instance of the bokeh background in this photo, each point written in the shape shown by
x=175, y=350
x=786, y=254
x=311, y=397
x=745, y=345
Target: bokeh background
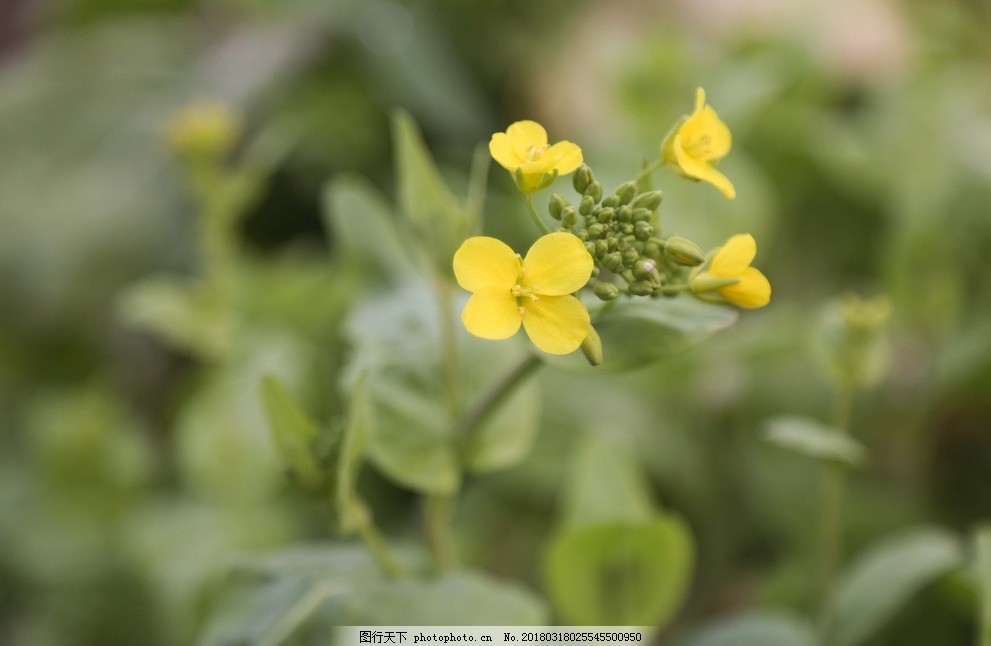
x=135, y=472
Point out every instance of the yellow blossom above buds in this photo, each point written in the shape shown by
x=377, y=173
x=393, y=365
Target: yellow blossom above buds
x=535, y=291
x=731, y=276
x=524, y=152
x=206, y=129
x=696, y=142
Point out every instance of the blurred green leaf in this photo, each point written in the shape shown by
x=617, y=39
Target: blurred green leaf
x=432, y=212
x=811, y=438
x=350, y=508
x=293, y=431
x=363, y=223
x=637, y=333
x=606, y=484
x=983, y=567
x=755, y=629
x=884, y=579
x=462, y=599
x=183, y=314
x=620, y=574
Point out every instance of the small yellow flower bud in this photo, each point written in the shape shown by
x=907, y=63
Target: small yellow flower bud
x=206, y=130
x=592, y=347
x=684, y=251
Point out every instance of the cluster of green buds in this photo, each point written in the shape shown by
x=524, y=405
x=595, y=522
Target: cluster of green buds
x=621, y=233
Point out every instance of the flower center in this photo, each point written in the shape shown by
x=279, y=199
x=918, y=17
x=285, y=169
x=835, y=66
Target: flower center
x=536, y=153
x=700, y=148
x=524, y=295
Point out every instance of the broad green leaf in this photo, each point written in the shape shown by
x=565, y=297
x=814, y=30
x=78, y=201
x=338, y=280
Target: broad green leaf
x=983, y=567
x=607, y=484
x=620, y=574
x=432, y=212
x=755, y=629
x=636, y=333
x=884, y=579
x=811, y=438
x=183, y=314
x=462, y=599
x=362, y=222
x=293, y=431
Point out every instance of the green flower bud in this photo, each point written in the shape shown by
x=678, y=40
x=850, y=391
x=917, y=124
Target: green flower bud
x=595, y=190
x=625, y=213
x=590, y=246
x=653, y=250
x=596, y=230
x=684, y=251
x=613, y=261
x=642, y=215
x=630, y=257
x=557, y=204
x=641, y=288
x=569, y=217
x=644, y=268
x=612, y=201
x=626, y=192
x=586, y=206
x=592, y=347
x=606, y=291
x=582, y=178
x=601, y=248
x=702, y=282
x=643, y=230
x=649, y=201
x=605, y=214
x=582, y=235
x=626, y=229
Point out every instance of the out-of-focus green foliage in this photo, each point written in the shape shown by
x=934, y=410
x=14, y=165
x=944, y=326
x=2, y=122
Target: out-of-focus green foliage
x=142, y=497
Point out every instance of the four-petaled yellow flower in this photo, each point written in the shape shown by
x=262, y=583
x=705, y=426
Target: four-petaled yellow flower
x=524, y=152
x=535, y=291
x=696, y=142
x=730, y=274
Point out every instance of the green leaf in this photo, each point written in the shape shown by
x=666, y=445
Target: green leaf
x=607, y=484
x=755, y=629
x=293, y=431
x=620, y=574
x=640, y=332
x=882, y=581
x=811, y=438
x=363, y=224
x=983, y=568
x=183, y=314
x=438, y=220
x=462, y=599
x=350, y=508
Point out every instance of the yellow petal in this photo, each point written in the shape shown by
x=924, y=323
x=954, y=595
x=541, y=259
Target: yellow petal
x=501, y=149
x=734, y=257
x=492, y=314
x=717, y=179
x=524, y=134
x=699, y=99
x=556, y=324
x=565, y=157
x=696, y=169
x=485, y=263
x=753, y=290
x=557, y=263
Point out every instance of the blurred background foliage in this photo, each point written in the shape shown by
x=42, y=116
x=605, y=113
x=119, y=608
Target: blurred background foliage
x=137, y=469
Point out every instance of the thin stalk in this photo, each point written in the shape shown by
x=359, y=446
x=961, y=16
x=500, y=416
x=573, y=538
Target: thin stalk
x=491, y=400
x=449, y=339
x=373, y=540
x=833, y=495
x=533, y=214
x=647, y=170
x=439, y=511
x=984, y=584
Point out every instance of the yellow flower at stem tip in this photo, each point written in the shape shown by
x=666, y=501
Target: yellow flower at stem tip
x=535, y=291
x=698, y=141
x=731, y=276
x=523, y=151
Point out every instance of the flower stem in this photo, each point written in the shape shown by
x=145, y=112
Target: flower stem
x=533, y=214
x=647, y=170
x=983, y=549
x=448, y=332
x=833, y=494
x=373, y=540
x=496, y=395
x=438, y=512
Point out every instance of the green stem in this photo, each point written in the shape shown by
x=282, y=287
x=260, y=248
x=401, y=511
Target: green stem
x=439, y=511
x=647, y=170
x=533, y=214
x=675, y=289
x=833, y=495
x=984, y=584
x=491, y=400
x=452, y=370
x=373, y=540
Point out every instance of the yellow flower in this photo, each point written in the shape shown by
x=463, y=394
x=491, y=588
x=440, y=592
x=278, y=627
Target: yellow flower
x=209, y=128
x=535, y=291
x=730, y=274
x=524, y=152
x=696, y=142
